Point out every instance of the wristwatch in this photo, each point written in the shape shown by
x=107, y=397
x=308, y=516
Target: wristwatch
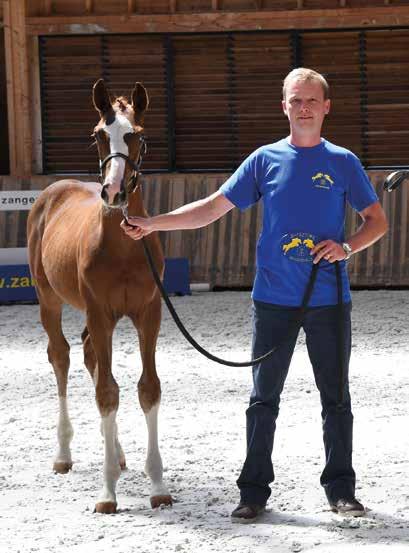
x=347, y=249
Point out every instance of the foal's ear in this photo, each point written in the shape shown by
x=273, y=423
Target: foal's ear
x=140, y=100
x=100, y=97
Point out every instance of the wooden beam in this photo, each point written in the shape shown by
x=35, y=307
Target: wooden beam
x=47, y=7
x=89, y=6
x=35, y=111
x=172, y=6
x=337, y=18
x=18, y=96
x=10, y=89
x=300, y=4
x=131, y=6
x=215, y=5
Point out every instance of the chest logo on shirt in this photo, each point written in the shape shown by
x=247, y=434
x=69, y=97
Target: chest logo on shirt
x=297, y=246
x=322, y=180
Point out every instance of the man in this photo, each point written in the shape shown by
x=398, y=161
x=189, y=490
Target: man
x=304, y=182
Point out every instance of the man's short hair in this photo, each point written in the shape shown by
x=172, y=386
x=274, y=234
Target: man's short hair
x=304, y=74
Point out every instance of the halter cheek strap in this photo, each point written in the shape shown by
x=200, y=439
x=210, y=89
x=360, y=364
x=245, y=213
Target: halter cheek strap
x=135, y=166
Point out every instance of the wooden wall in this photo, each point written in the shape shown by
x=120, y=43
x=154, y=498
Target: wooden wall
x=38, y=8
x=4, y=142
x=222, y=254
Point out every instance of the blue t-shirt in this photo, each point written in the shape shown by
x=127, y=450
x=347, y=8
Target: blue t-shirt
x=304, y=192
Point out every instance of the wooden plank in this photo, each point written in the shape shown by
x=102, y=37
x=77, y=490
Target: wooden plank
x=35, y=105
x=11, y=100
x=389, y=16
x=47, y=7
x=4, y=131
x=17, y=89
x=131, y=6
x=89, y=6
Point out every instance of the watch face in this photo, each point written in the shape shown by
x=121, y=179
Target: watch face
x=347, y=249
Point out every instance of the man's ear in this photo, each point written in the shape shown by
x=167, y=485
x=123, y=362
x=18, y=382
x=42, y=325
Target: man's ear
x=283, y=106
x=327, y=106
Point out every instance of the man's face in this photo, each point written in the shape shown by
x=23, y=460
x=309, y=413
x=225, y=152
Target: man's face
x=305, y=107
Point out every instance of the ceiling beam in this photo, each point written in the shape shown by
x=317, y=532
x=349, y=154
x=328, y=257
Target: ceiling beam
x=338, y=18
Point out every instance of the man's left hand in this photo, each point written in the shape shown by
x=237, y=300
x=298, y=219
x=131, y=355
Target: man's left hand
x=329, y=250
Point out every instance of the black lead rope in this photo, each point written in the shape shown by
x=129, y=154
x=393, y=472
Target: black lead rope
x=340, y=337
x=198, y=347
x=297, y=322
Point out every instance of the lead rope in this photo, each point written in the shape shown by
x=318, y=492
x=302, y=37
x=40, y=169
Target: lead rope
x=198, y=347
x=340, y=338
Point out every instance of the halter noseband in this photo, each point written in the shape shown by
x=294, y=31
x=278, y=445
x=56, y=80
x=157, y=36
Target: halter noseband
x=135, y=166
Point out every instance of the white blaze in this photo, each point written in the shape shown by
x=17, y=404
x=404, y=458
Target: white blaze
x=117, y=130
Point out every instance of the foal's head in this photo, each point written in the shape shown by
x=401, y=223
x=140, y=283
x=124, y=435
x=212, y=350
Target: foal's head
x=120, y=141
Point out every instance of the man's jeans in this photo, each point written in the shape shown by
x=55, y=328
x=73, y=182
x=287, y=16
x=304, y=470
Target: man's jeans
x=272, y=325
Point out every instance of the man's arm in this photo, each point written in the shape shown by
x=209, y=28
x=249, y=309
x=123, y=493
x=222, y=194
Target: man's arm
x=373, y=227
x=190, y=216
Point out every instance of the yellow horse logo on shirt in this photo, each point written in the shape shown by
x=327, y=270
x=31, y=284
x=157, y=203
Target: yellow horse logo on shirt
x=324, y=180
x=308, y=243
x=297, y=246
x=295, y=242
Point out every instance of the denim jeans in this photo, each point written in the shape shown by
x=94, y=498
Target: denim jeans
x=272, y=325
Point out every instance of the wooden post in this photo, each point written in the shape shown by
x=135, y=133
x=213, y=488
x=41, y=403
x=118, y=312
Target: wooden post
x=89, y=6
x=18, y=96
x=47, y=7
x=35, y=111
x=131, y=6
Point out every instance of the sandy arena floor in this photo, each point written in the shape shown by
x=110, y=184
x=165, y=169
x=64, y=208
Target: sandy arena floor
x=202, y=439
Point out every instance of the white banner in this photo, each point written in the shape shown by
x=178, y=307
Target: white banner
x=17, y=200
x=13, y=256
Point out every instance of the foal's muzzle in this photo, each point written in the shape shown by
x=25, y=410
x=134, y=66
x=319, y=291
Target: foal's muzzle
x=120, y=198
x=394, y=180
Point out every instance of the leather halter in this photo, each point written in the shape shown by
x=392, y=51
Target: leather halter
x=133, y=180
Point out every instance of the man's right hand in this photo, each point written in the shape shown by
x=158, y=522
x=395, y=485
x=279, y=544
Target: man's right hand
x=137, y=227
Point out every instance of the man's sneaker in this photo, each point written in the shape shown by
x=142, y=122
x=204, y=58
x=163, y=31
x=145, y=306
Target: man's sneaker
x=350, y=507
x=247, y=512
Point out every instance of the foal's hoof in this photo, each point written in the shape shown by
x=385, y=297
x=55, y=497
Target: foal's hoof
x=158, y=500
x=62, y=467
x=105, y=507
x=122, y=464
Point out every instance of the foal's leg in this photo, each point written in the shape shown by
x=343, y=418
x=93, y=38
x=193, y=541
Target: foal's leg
x=90, y=362
x=100, y=329
x=58, y=355
x=149, y=392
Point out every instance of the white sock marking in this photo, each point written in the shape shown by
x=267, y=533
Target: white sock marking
x=112, y=469
x=153, y=466
x=64, y=432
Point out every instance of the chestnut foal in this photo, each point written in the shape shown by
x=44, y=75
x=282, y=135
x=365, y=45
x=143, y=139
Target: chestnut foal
x=79, y=255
